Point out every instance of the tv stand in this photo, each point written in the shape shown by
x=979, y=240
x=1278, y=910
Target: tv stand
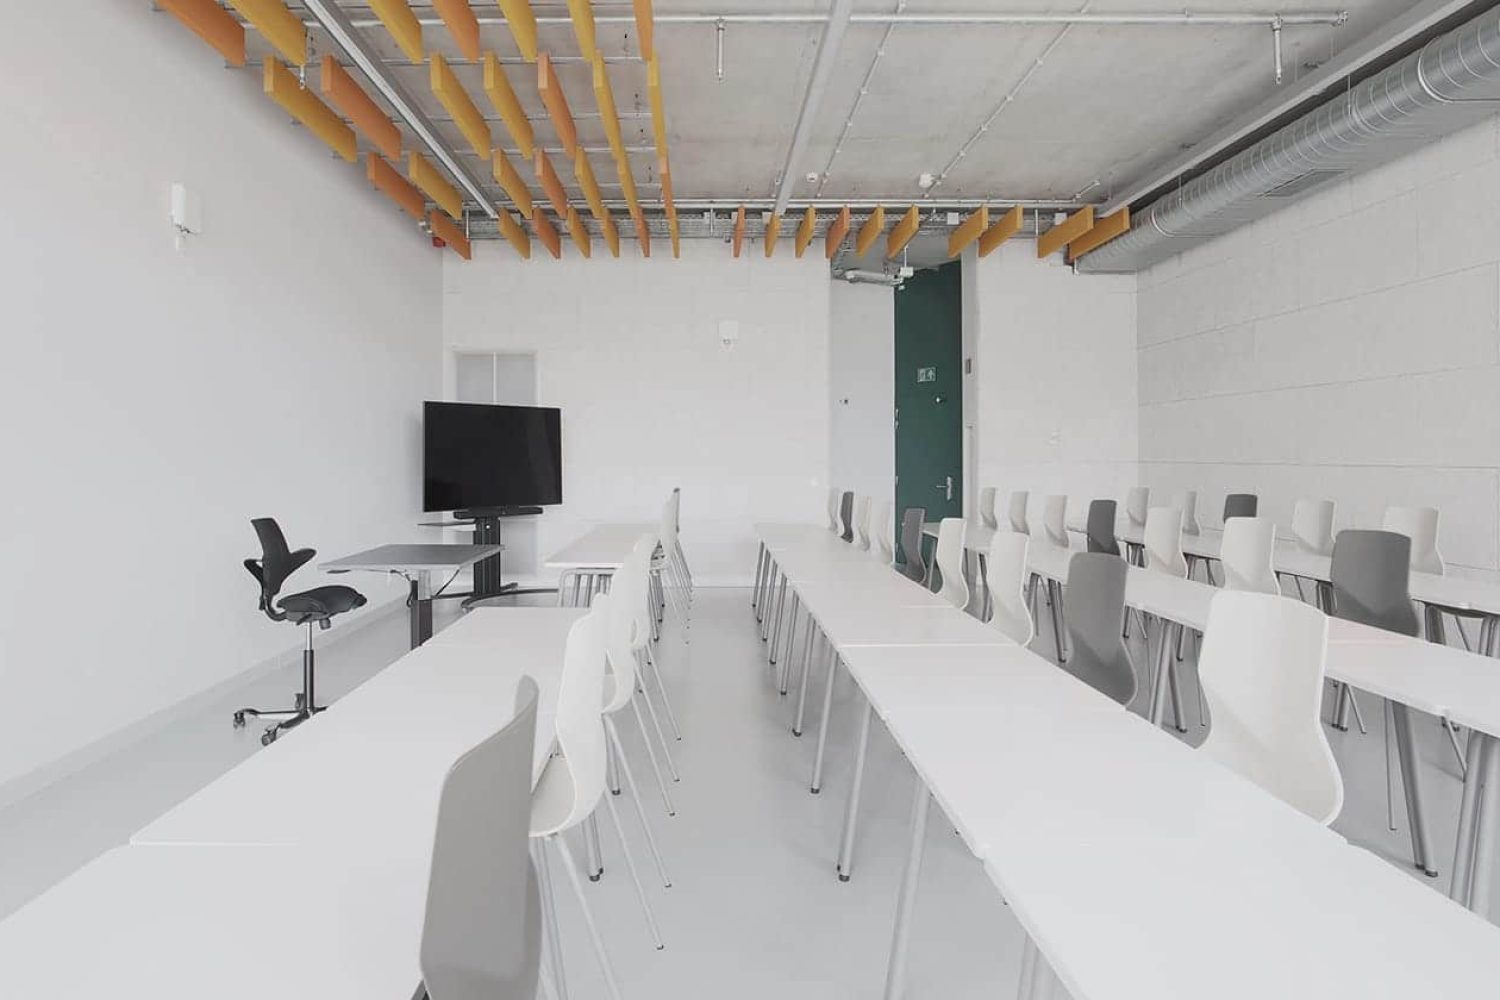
x=485, y=523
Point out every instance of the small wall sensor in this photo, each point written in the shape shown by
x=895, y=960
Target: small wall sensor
x=186, y=213
x=729, y=333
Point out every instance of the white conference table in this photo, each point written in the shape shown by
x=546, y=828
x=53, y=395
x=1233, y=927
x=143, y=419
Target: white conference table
x=1129, y=857
x=586, y=564
x=372, y=766
x=228, y=923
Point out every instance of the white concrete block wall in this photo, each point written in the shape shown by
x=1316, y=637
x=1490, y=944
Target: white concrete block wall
x=862, y=388
x=651, y=399
x=1056, y=374
x=1346, y=347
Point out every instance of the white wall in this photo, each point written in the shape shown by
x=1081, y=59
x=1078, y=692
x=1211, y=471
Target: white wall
x=151, y=401
x=862, y=387
x=1347, y=347
x=630, y=350
x=1055, y=369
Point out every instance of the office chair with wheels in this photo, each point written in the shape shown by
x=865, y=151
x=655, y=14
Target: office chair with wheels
x=316, y=606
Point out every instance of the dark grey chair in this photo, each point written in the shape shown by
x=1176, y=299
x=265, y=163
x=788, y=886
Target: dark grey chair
x=482, y=934
x=1095, y=599
x=1101, y=528
x=1370, y=583
x=911, y=543
x=846, y=516
x=1241, y=505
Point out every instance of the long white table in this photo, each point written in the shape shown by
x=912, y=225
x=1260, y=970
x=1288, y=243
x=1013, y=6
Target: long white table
x=586, y=564
x=1128, y=857
x=302, y=871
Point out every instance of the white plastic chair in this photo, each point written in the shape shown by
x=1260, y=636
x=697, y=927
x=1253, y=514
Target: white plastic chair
x=1162, y=540
x=1420, y=524
x=862, y=523
x=1312, y=526
x=833, y=509
x=1016, y=511
x=1054, y=519
x=1249, y=543
x=573, y=782
x=668, y=567
x=1005, y=576
x=882, y=531
x=1262, y=674
x=987, y=507
x=641, y=640
x=1187, y=501
x=1137, y=502
x=949, y=557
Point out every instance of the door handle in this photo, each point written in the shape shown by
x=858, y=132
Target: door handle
x=946, y=487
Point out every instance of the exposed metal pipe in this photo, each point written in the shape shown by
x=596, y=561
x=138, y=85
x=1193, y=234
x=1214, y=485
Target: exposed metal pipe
x=817, y=86
x=1177, y=18
x=1407, y=25
x=1451, y=82
x=864, y=88
x=719, y=49
x=1276, y=47
x=336, y=23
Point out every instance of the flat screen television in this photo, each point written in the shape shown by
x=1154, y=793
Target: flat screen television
x=477, y=456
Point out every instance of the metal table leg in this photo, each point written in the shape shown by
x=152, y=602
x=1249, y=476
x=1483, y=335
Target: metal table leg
x=1468, y=814
x=760, y=568
x=895, y=975
x=833, y=672
x=845, y=864
x=1054, y=598
x=420, y=600
x=1411, y=781
x=1486, y=832
x=1163, y=665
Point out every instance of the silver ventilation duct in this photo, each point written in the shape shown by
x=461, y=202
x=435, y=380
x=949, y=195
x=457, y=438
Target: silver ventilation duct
x=1453, y=81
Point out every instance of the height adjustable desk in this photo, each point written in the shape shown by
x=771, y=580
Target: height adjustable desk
x=417, y=563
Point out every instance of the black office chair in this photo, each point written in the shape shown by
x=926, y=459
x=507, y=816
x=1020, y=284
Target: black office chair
x=1101, y=528
x=316, y=606
x=1241, y=505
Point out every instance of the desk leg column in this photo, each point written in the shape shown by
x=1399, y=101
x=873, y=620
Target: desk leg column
x=1487, y=831
x=833, y=672
x=1416, y=819
x=760, y=568
x=420, y=601
x=895, y=975
x=1054, y=598
x=806, y=673
x=1161, y=677
x=791, y=644
x=1468, y=814
x=845, y=865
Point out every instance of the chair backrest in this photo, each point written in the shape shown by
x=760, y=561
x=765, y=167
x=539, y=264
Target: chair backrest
x=1241, y=505
x=1420, y=524
x=950, y=562
x=276, y=562
x=987, y=507
x=862, y=523
x=668, y=525
x=846, y=516
x=579, y=719
x=911, y=543
x=482, y=931
x=1054, y=519
x=1016, y=511
x=1137, y=502
x=880, y=530
x=1371, y=578
x=833, y=508
x=628, y=620
x=1262, y=673
x=1101, y=527
x=1249, y=543
x=1312, y=526
x=1095, y=600
x=1162, y=541
x=1005, y=576
x=1187, y=502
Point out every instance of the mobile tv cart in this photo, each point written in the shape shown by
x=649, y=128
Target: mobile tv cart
x=485, y=522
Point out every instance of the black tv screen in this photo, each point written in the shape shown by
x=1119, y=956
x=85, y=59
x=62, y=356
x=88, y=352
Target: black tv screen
x=475, y=455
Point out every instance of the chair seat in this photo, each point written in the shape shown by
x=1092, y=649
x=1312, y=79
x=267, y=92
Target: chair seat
x=321, y=602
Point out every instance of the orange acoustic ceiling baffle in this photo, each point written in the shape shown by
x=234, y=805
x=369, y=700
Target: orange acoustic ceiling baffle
x=902, y=232
x=395, y=187
x=403, y=26
x=739, y=229
x=773, y=229
x=969, y=230
x=1065, y=232
x=514, y=234
x=425, y=176
x=282, y=87
x=211, y=23
x=450, y=234
x=1008, y=226
x=522, y=24
x=547, y=233
x=447, y=89
x=870, y=231
x=510, y=180
x=806, y=229
x=277, y=25
x=461, y=24
x=549, y=88
x=507, y=106
x=836, y=233
x=335, y=83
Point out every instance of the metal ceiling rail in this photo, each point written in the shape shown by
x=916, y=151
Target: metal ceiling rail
x=864, y=88
x=839, y=12
x=1176, y=18
x=337, y=24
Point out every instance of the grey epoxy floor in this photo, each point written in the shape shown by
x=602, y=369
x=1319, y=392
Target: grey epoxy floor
x=755, y=909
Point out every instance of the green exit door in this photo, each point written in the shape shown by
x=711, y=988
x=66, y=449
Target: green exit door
x=929, y=393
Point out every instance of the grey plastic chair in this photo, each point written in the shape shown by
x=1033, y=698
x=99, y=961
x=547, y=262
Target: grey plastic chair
x=1241, y=505
x=1371, y=575
x=846, y=516
x=1101, y=527
x=911, y=543
x=482, y=934
x=1095, y=599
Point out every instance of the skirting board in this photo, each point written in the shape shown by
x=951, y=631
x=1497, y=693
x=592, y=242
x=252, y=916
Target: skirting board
x=37, y=779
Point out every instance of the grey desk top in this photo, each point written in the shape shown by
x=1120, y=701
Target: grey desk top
x=389, y=558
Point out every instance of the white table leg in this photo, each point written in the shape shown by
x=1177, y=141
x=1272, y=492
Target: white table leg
x=895, y=976
x=833, y=672
x=1411, y=781
x=845, y=863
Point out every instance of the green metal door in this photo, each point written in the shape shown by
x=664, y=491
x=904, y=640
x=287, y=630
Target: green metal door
x=929, y=387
